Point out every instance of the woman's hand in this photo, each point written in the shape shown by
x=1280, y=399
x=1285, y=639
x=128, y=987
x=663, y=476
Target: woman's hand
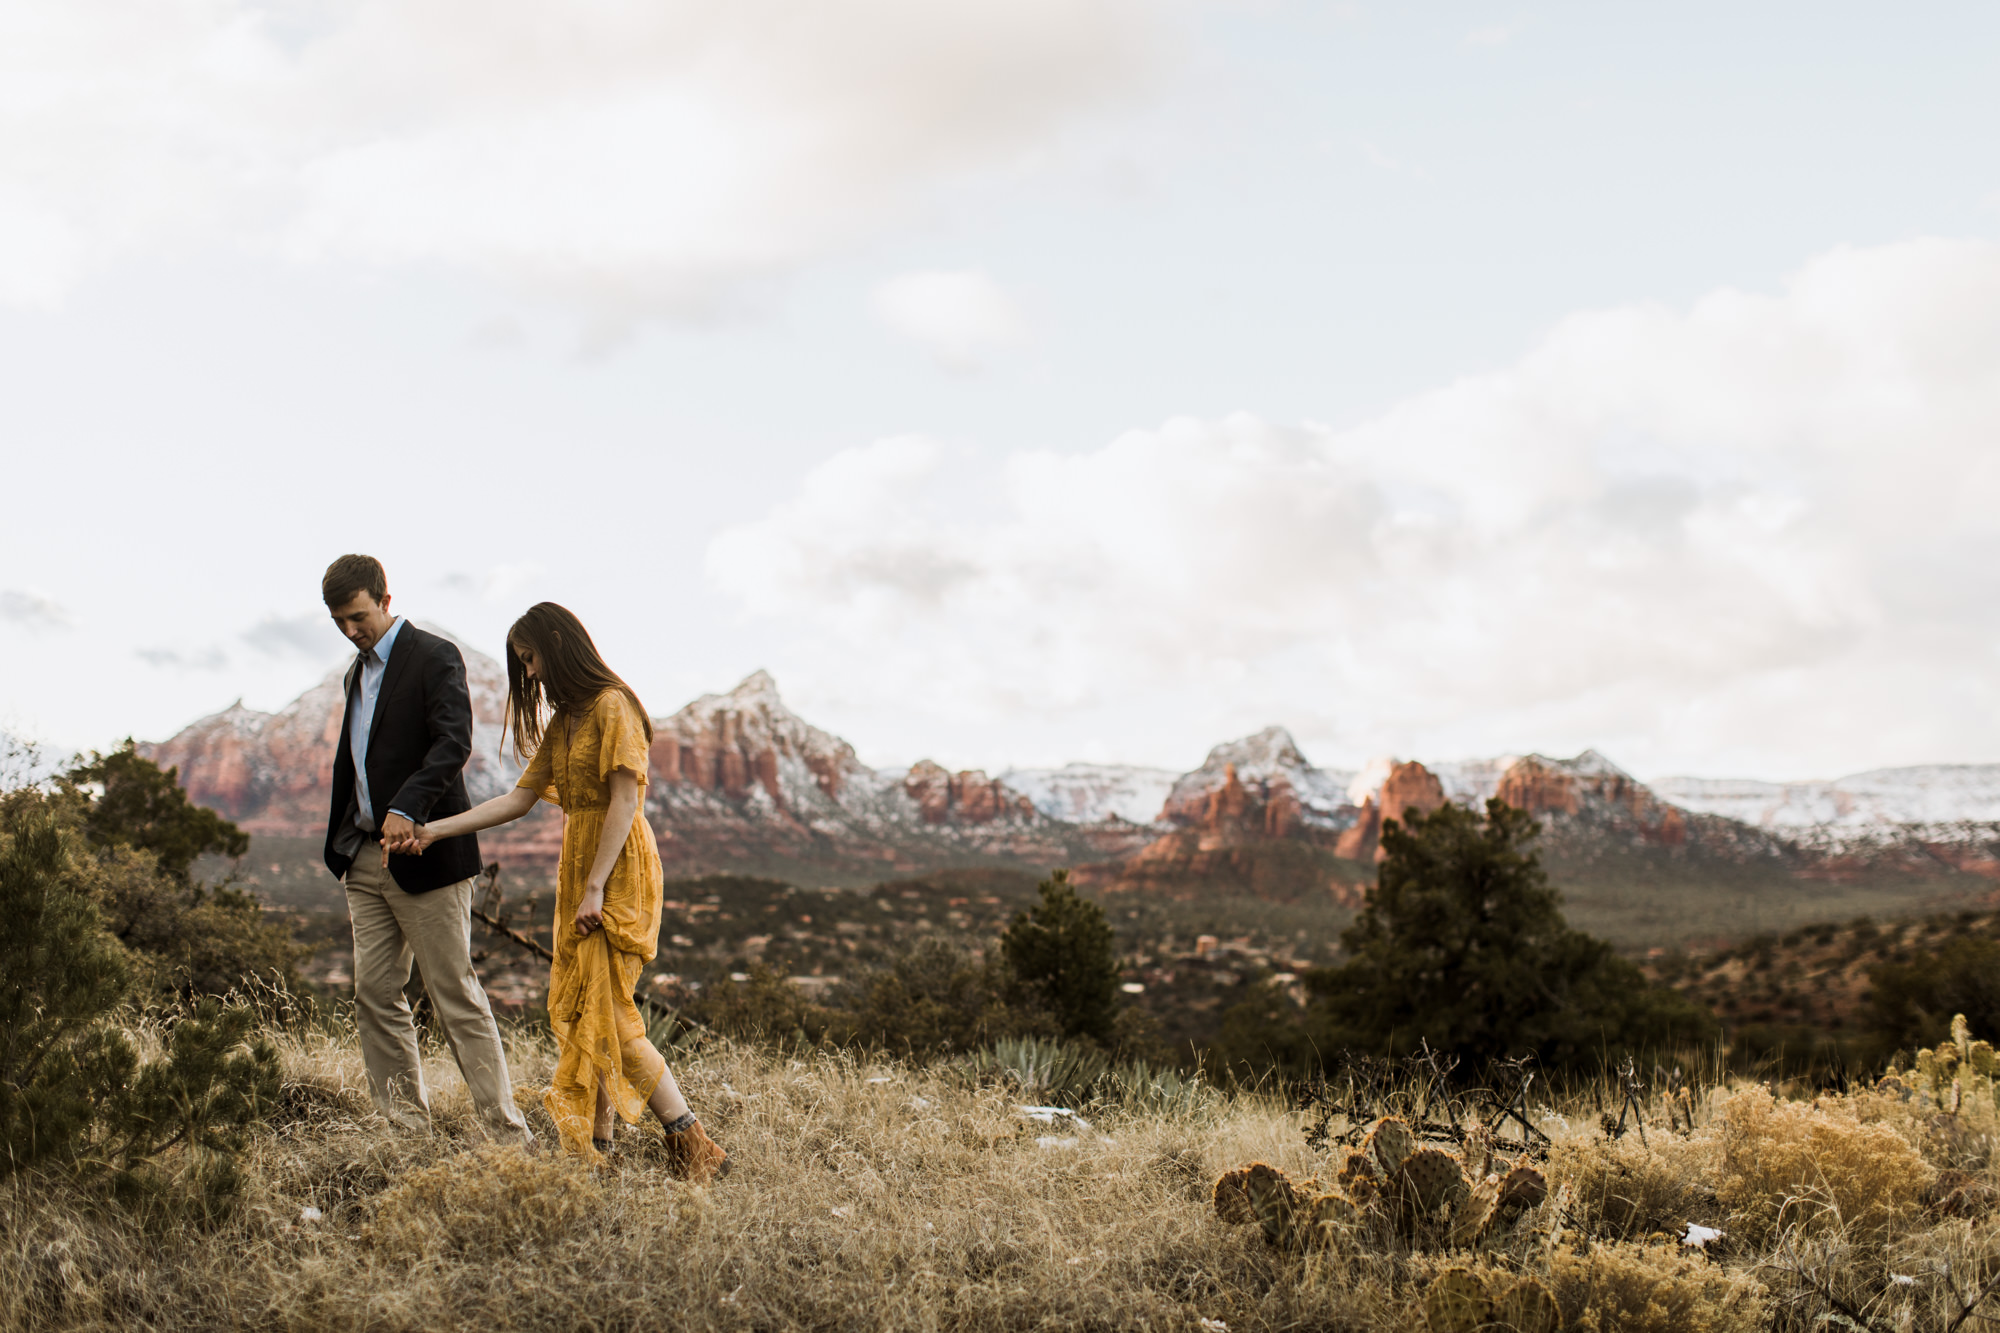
x=411, y=843
x=590, y=912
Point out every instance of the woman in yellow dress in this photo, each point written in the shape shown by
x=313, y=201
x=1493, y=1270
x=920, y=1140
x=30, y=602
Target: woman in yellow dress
x=589, y=737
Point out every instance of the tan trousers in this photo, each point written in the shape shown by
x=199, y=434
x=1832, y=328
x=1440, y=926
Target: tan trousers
x=392, y=927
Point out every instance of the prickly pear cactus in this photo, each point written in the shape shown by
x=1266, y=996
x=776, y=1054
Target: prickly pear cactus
x=1479, y=1151
x=1293, y=1215
x=1526, y=1306
x=1428, y=1182
x=1471, y=1220
x=1389, y=1143
x=1520, y=1189
x=1457, y=1302
x=1277, y=1203
x=1232, y=1198
x=1358, y=1178
x=1425, y=1200
x=1329, y=1217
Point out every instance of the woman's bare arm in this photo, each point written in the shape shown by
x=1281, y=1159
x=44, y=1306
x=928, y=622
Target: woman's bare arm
x=618, y=817
x=502, y=809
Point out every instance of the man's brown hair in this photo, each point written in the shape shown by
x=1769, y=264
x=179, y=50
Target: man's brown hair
x=351, y=574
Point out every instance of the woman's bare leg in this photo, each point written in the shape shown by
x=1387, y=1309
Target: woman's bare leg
x=666, y=1101
x=601, y=1127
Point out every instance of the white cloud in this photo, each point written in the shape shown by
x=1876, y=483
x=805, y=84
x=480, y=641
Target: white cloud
x=311, y=636
x=31, y=610
x=958, y=317
x=630, y=155
x=193, y=659
x=1759, y=531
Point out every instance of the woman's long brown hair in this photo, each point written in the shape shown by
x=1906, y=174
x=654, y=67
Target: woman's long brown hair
x=570, y=675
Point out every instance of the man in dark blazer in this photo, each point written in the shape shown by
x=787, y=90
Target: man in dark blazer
x=405, y=735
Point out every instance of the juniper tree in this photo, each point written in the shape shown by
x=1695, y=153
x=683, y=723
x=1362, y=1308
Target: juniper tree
x=142, y=806
x=72, y=1085
x=1061, y=952
x=60, y=974
x=188, y=937
x=1463, y=944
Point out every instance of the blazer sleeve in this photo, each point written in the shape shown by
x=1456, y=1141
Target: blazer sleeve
x=448, y=721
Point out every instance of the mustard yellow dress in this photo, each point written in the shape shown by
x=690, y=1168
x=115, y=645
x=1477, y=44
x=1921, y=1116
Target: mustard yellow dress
x=599, y=1034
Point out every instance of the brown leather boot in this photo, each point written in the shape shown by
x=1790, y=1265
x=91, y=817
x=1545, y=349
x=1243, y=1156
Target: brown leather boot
x=694, y=1157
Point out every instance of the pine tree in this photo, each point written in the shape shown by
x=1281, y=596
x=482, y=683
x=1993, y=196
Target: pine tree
x=1061, y=951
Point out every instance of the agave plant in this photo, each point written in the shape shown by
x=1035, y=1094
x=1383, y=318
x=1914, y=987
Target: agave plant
x=1055, y=1073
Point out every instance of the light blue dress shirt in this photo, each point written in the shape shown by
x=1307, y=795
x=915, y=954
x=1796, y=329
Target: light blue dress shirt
x=361, y=720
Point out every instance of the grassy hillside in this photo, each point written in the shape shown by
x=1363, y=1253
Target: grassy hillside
x=877, y=1196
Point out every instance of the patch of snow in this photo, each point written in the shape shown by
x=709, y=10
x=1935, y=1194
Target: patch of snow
x=1269, y=757
x=1472, y=782
x=1092, y=793
x=1882, y=798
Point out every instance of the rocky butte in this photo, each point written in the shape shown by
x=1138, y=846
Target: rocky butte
x=739, y=783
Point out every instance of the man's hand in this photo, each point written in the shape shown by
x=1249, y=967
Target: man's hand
x=397, y=832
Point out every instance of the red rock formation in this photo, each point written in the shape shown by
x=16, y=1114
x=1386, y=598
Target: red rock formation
x=1240, y=839
x=1284, y=815
x=1541, y=788
x=1538, y=788
x=929, y=785
x=1357, y=843
x=1410, y=787
x=969, y=797
x=735, y=743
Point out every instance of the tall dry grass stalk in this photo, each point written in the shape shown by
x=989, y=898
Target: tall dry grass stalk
x=877, y=1196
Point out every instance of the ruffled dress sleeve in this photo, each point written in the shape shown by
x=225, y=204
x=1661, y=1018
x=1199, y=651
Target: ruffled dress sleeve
x=621, y=737
x=539, y=777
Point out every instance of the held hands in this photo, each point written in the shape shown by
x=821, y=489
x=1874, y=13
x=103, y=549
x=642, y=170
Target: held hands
x=590, y=912
x=397, y=835
x=403, y=838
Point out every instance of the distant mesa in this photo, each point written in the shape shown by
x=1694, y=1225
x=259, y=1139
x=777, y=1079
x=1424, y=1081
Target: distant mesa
x=740, y=783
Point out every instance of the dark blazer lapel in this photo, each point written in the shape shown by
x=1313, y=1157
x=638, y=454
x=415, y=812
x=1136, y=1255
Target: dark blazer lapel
x=399, y=657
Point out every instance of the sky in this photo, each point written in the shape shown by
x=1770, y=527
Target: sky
x=1025, y=381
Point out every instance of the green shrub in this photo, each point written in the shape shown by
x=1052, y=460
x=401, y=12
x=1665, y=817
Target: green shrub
x=1912, y=1004
x=935, y=1000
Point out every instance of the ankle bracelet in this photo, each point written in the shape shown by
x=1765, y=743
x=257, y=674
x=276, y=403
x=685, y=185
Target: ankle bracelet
x=682, y=1124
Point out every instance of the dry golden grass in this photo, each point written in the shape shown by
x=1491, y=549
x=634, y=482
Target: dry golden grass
x=1630, y=1287
x=1815, y=1165
x=877, y=1196
x=1629, y=1188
